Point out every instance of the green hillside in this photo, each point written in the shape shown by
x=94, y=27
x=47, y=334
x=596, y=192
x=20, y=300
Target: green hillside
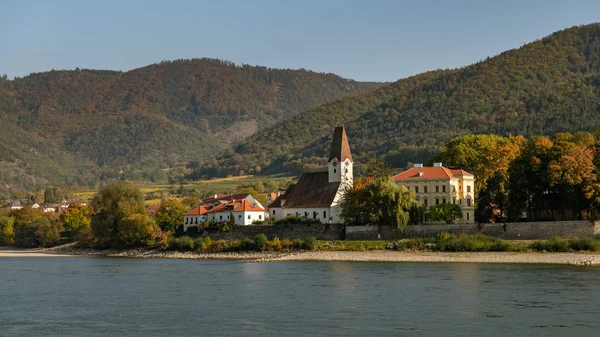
x=137, y=124
x=547, y=86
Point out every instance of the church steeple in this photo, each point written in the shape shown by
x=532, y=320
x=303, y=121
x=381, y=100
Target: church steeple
x=340, y=158
x=340, y=148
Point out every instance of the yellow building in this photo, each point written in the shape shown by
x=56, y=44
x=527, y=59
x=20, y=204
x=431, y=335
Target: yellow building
x=439, y=185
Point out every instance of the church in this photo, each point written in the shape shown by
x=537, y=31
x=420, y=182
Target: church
x=317, y=195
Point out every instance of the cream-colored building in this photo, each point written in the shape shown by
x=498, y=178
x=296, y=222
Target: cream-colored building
x=439, y=185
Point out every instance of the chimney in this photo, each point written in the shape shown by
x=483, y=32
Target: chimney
x=437, y=164
x=418, y=165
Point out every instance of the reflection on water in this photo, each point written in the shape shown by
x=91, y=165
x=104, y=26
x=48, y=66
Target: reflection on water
x=153, y=297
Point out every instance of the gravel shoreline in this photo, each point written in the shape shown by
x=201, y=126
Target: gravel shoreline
x=575, y=259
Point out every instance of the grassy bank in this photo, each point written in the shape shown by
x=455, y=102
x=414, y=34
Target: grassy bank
x=444, y=242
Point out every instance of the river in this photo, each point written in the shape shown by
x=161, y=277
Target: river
x=159, y=297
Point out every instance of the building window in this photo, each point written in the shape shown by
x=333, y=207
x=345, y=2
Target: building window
x=416, y=189
x=467, y=216
x=334, y=171
x=273, y=212
x=425, y=202
x=437, y=188
x=453, y=188
x=186, y=220
x=469, y=189
x=306, y=214
x=454, y=200
x=346, y=170
x=469, y=202
x=425, y=189
x=324, y=214
x=444, y=188
x=239, y=217
x=444, y=201
x=248, y=216
x=220, y=217
x=196, y=220
x=437, y=201
x=260, y=217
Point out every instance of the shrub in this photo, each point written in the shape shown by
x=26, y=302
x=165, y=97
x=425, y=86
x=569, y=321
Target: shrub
x=298, y=244
x=198, y=243
x=192, y=230
x=185, y=243
x=172, y=243
x=247, y=244
x=294, y=220
x=470, y=243
x=260, y=240
x=207, y=244
x=555, y=244
x=586, y=244
x=310, y=243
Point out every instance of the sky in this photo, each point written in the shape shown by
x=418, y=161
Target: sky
x=374, y=40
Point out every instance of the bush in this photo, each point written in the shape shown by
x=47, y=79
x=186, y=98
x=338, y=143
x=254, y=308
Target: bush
x=185, y=243
x=298, y=244
x=247, y=244
x=294, y=220
x=172, y=243
x=39, y=232
x=470, y=243
x=198, y=243
x=260, y=241
x=192, y=230
x=555, y=244
x=310, y=243
x=585, y=244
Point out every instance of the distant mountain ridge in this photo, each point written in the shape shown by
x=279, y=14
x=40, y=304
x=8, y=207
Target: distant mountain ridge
x=544, y=87
x=93, y=124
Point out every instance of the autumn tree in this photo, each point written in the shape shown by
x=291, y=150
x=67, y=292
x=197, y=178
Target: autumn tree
x=7, y=230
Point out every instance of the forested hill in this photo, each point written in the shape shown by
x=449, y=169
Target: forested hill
x=544, y=87
x=66, y=127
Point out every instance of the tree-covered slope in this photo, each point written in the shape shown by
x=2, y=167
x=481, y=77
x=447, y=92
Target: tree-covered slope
x=547, y=86
x=151, y=118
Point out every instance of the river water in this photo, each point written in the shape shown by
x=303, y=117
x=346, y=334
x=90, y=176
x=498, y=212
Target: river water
x=159, y=297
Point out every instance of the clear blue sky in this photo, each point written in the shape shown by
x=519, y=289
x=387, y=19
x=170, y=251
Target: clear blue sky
x=364, y=40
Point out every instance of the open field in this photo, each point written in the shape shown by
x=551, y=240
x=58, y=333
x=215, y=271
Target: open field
x=153, y=192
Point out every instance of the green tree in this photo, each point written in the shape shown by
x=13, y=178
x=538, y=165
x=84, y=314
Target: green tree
x=170, y=214
x=53, y=195
x=376, y=202
x=113, y=204
x=37, y=232
x=7, y=230
x=445, y=212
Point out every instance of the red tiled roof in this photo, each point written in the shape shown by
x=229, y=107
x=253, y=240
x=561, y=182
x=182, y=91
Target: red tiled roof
x=153, y=207
x=246, y=206
x=440, y=173
x=200, y=210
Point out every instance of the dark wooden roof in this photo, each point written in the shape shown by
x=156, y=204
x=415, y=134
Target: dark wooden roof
x=312, y=190
x=340, y=148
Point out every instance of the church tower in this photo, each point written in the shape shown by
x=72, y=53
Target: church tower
x=340, y=159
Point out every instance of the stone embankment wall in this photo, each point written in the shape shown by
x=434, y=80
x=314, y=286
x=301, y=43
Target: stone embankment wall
x=508, y=231
x=299, y=231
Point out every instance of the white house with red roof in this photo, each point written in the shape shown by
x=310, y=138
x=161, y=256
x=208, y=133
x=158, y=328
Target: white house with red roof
x=244, y=213
x=439, y=185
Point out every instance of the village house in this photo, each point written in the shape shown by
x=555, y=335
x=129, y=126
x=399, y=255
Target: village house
x=15, y=205
x=439, y=185
x=152, y=209
x=317, y=195
x=219, y=208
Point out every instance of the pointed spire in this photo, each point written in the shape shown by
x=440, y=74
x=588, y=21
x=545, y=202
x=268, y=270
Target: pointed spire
x=340, y=148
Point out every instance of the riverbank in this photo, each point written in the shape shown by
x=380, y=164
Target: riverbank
x=576, y=259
